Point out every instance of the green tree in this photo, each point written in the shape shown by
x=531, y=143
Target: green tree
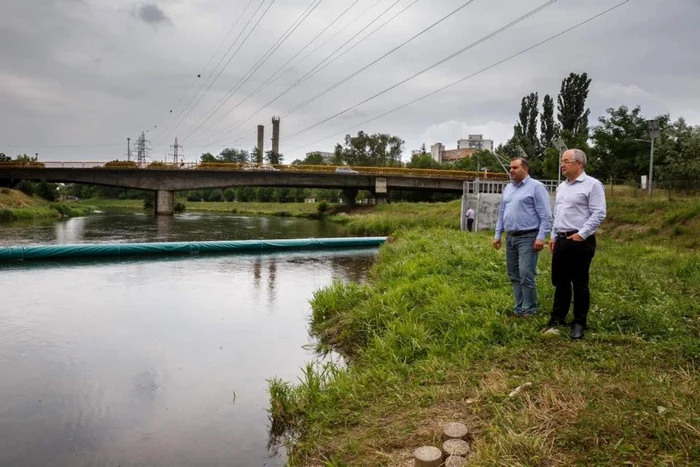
x=571, y=110
x=678, y=150
x=312, y=158
x=234, y=156
x=423, y=161
x=46, y=190
x=272, y=158
x=377, y=150
x=208, y=158
x=256, y=156
x=230, y=194
x=4, y=158
x=548, y=128
x=618, y=150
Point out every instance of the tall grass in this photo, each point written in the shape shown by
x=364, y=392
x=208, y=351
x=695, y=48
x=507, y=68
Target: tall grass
x=54, y=210
x=430, y=338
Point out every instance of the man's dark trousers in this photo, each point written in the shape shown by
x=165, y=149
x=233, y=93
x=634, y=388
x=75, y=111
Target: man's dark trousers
x=571, y=263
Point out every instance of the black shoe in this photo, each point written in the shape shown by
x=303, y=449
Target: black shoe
x=577, y=332
x=554, y=323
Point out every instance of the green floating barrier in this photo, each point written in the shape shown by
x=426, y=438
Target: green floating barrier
x=44, y=252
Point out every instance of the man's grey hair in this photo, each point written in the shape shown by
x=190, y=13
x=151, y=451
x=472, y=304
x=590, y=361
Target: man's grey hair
x=580, y=156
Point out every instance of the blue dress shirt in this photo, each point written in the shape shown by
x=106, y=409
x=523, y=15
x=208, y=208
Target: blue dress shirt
x=525, y=206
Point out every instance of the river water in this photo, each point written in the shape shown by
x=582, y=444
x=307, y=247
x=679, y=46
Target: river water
x=159, y=362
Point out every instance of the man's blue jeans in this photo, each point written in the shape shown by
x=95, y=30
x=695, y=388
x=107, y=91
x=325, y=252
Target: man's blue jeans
x=521, y=263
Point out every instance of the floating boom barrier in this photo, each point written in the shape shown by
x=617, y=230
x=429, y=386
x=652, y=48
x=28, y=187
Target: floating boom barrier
x=48, y=252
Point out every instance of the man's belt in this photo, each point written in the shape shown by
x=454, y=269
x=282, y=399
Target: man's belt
x=566, y=234
x=517, y=233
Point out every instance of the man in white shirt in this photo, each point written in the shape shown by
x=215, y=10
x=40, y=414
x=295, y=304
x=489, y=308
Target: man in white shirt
x=579, y=210
x=470, y=218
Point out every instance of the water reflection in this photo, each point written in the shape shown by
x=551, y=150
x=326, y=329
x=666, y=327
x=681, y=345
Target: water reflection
x=135, y=362
x=140, y=227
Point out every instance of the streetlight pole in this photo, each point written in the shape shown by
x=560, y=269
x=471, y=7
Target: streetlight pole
x=561, y=146
x=654, y=132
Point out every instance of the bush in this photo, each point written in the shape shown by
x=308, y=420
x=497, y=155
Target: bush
x=179, y=207
x=26, y=187
x=323, y=207
x=46, y=190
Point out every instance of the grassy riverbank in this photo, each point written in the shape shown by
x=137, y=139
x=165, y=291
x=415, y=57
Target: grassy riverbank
x=308, y=210
x=430, y=339
x=15, y=206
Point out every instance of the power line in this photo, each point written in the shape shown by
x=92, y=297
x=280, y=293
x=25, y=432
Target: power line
x=315, y=71
x=229, y=60
x=204, y=68
x=327, y=90
x=53, y=146
x=277, y=73
x=500, y=62
x=266, y=56
x=309, y=73
x=438, y=63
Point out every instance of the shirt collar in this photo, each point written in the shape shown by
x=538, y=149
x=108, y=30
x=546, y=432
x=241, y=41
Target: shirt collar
x=580, y=178
x=523, y=182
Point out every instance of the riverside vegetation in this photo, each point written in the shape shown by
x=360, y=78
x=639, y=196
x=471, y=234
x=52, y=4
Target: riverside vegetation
x=430, y=338
x=15, y=206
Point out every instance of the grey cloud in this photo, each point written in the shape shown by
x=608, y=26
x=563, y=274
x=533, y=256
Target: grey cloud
x=151, y=14
x=92, y=72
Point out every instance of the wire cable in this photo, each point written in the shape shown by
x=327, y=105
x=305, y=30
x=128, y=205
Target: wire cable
x=229, y=60
x=494, y=65
x=277, y=73
x=308, y=74
x=249, y=74
x=194, y=80
x=436, y=64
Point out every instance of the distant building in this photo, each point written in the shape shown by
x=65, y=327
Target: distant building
x=436, y=150
x=475, y=142
x=452, y=155
x=465, y=148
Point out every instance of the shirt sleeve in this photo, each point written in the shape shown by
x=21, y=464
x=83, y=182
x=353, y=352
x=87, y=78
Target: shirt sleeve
x=499, y=222
x=544, y=211
x=597, y=207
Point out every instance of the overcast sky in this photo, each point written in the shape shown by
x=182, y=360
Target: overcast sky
x=77, y=77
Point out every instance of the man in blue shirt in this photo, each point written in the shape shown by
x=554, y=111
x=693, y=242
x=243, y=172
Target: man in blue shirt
x=579, y=210
x=525, y=215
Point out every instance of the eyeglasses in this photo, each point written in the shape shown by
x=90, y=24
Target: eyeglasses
x=568, y=162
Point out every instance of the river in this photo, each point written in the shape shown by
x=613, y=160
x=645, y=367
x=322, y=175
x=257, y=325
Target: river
x=159, y=362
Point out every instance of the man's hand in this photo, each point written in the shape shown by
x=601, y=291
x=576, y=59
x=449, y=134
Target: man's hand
x=575, y=237
x=552, y=241
x=539, y=245
x=497, y=244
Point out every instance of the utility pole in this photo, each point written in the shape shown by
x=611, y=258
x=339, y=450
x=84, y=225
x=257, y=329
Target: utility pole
x=176, y=152
x=654, y=132
x=128, y=149
x=561, y=146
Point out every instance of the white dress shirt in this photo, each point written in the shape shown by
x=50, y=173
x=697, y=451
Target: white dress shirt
x=580, y=205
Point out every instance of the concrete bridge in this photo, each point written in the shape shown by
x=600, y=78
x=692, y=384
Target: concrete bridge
x=165, y=181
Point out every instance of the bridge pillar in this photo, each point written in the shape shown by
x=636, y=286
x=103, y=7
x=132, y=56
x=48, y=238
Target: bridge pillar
x=165, y=203
x=381, y=198
x=349, y=196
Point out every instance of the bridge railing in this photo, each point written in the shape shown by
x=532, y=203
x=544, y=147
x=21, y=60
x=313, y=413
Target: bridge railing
x=329, y=169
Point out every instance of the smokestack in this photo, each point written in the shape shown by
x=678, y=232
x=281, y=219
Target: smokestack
x=261, y=143
x=275, y=136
